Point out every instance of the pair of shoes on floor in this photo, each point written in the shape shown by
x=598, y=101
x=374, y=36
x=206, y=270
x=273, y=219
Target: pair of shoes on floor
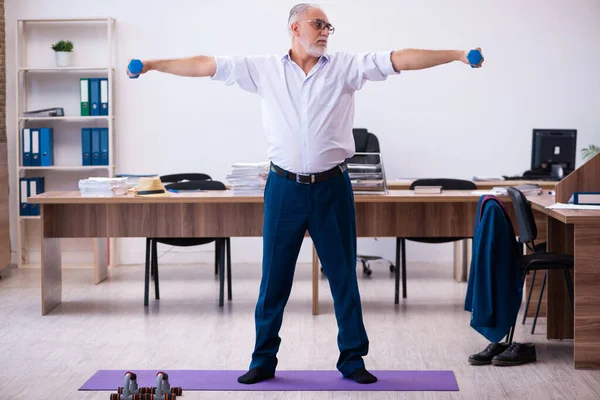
x=503, y=354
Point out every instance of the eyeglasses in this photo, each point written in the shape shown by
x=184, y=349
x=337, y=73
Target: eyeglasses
x=319, y=24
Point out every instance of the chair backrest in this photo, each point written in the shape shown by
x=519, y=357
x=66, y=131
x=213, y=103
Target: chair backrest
x=187, y=176
x=196, y=185
x=365, y=142
x=445, y=183
x=524, y=215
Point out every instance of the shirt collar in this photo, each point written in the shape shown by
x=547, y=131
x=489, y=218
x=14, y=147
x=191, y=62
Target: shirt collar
x=286, y=56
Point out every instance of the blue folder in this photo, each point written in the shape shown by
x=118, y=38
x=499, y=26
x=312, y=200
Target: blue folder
x=94, y=96
x=47, y=146
x=585, y=198
x=103, y=96
x=36, y=160
x=36, y=186
x=86, y=146
x=104, y=146
x=96, y=146
x=26, y=147
x=23, y=195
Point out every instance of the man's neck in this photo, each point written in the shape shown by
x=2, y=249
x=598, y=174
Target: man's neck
x=303, y=59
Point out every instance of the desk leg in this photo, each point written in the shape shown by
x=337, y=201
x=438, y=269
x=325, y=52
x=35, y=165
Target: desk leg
x=559, y=315
x=315, y=281
x=587, y=296
x=51, y=274
x=462, y=259
x=100, y=260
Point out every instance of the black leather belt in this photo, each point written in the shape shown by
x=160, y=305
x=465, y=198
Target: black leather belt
x=310, y=178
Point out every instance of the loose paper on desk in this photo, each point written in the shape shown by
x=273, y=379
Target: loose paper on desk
x=563, y=206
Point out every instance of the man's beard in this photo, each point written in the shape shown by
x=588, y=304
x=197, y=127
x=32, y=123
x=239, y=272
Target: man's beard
x=312, y=48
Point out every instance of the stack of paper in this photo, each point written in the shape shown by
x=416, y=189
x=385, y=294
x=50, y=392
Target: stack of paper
x=132, y=179
x=103, y=187
x=248, y=178
x=527, y=189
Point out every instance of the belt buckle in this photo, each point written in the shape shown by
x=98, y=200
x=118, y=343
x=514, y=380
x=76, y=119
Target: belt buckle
x=312, y=179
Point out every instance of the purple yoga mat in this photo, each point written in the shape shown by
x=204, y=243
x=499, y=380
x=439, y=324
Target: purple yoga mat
x=196, y=380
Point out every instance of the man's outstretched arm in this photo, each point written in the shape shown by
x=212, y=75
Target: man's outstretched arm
x=198, y=66
x=414, y=59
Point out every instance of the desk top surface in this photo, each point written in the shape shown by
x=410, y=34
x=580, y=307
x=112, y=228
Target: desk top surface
x=540, y=203
x=227, y=196
x=401, y=184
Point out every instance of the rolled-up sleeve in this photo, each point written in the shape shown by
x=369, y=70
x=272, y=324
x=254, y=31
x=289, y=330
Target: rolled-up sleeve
x=376, y=66
x=245, y=71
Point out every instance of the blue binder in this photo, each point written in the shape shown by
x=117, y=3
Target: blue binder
x=585, y=198
x=86, y=146
x=23, y=195
x=36, y=186
x=103, y=96
x=96, y=146
x=94, y=96
x=26, y=147
x=36, y=160
x=47, y=146
x=103, y=146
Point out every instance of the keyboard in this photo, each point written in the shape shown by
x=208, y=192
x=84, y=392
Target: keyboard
x=530, y=178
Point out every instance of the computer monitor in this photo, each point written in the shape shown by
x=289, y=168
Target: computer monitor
x=553, y=147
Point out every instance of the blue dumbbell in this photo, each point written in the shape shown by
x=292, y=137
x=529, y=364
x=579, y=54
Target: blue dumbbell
x=135, y=67
x=474, y=57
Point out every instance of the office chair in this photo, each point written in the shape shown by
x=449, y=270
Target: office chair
x=222, y=245
x=539, y=259
x=366, y=142
x=446, y=184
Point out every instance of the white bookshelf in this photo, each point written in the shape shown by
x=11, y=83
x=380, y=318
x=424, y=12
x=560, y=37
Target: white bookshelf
x=40, y=84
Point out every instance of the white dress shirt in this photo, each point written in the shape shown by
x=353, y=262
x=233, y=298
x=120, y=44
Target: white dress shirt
x=308, y=119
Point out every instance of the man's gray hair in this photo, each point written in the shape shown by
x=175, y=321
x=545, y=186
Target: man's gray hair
x=297, y=11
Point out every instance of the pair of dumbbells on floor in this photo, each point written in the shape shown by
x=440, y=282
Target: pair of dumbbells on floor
x=131, y=391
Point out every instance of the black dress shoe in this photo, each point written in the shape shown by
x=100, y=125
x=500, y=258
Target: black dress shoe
x=485, y=356
x=516, y=354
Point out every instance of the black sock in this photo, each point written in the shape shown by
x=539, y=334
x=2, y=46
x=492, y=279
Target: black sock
x=361, y=375
x=255, y=375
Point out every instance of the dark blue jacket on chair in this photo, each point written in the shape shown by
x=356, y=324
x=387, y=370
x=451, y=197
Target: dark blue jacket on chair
x=495, y=286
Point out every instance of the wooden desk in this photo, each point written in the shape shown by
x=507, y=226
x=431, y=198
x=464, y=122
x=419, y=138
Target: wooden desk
x=404, y=184
x=222, y=214
x=574, y=232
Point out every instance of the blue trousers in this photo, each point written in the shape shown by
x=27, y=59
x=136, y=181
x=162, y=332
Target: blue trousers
x=326, y=210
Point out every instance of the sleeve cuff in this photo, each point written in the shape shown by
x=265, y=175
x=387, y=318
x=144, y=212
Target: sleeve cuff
x=223, y=70
x=384, y=61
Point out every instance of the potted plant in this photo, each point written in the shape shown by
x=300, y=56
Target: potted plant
x=63, y=50
x=590, y=151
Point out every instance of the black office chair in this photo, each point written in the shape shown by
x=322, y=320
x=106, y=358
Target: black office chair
x=222, y=245
x=446, y=184
x=366, y=142
x=539, y=259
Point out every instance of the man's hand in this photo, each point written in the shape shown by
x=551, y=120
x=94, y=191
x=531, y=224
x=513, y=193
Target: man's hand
x=466, y=60
x=145, y=68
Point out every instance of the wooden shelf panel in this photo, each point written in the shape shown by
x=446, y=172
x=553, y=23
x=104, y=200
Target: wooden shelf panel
x=66, y=168
x=67, y=118
x=66, y=69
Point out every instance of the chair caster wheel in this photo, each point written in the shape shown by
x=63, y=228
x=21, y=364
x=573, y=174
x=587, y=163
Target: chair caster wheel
x=392, y=267
x=177, y=390
x=368, y=272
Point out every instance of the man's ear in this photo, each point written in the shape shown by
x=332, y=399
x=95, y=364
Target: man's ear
x=295, y=28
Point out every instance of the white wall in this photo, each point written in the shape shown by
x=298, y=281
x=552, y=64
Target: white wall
x=541, y=71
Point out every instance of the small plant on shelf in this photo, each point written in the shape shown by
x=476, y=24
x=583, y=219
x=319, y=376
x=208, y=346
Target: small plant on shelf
x=590, y=151
x=63, y=50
